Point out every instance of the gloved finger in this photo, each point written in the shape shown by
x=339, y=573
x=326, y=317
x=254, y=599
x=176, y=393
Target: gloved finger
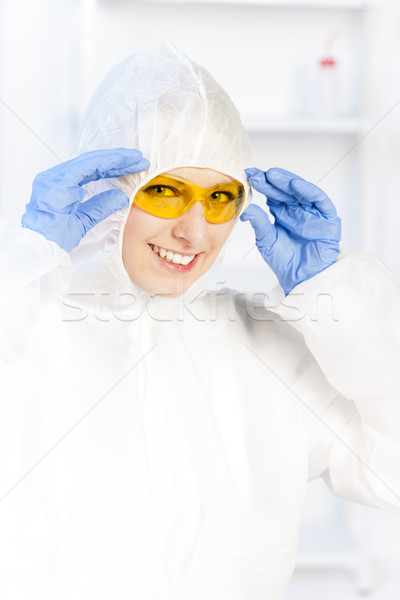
x=98, y=164
x=265, y=231
x=47, y=197
x=276, y=173
x=305, y=222
x=253, y=171
x=307, y=192
x=258, y=181
x=282, y=179
x=101, y=206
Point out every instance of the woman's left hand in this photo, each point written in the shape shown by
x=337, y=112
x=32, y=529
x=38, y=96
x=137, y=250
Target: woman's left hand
x=304, y=240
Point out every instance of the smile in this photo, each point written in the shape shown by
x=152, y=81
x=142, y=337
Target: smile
x=177, y=259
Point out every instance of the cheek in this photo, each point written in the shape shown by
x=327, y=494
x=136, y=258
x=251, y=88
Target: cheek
x=133, y=241
x=220, y=233
x=140, y=227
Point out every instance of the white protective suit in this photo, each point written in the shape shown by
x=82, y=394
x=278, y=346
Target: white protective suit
x=159, y=448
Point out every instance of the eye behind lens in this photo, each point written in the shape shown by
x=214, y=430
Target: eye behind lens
x=222, y=196
x=159, y=190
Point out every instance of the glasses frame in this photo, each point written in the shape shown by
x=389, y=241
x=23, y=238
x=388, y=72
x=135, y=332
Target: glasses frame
x=198, y=194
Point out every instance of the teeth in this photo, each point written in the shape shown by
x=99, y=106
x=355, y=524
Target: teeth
x=178, y=259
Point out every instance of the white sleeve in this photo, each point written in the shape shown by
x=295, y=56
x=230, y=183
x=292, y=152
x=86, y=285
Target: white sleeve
x=33, y=271
x=349, y=315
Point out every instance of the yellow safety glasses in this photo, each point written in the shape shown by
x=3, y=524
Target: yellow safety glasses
x=169, y=197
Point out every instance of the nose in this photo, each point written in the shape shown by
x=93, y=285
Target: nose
x=191, y=227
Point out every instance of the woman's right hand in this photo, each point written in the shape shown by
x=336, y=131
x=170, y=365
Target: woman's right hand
x=56, y=209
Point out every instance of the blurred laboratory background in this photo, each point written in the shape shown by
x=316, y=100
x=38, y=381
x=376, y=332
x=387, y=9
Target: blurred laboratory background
x=318, y=88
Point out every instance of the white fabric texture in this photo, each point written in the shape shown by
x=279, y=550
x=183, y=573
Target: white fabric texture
x=158, y=447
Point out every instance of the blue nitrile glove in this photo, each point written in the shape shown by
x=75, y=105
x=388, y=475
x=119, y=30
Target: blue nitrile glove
x=304, y=240
x=56, y=209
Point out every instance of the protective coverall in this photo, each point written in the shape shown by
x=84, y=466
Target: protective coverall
x=156, y=447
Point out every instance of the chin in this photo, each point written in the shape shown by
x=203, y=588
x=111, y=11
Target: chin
x=169, y=287
x=168, y=290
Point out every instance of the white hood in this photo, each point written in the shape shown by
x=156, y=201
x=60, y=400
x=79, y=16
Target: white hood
x=161, y=103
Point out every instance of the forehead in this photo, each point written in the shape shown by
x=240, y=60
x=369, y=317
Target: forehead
x=201, y=177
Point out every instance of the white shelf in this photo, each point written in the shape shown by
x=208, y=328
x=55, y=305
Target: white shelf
x=307, y=125
x=284, y=4
x=328, y=560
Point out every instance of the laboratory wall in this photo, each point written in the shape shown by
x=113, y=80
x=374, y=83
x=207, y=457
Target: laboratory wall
x=318, y=89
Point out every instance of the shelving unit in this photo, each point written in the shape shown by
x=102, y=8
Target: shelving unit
x=304, y=125
x=285, y=4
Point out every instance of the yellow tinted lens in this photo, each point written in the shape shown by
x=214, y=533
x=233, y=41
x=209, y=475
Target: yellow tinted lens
x=169, y=197
x=225, y=202
x=162, y=197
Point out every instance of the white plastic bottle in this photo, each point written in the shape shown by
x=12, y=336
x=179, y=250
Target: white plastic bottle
x=327, y=84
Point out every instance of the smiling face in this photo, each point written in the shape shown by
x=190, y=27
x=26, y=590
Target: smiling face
x=187, y=235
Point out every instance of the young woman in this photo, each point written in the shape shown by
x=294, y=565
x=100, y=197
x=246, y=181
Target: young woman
x=157, y=438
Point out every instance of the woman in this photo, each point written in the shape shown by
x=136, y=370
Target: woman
x=159, y=437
